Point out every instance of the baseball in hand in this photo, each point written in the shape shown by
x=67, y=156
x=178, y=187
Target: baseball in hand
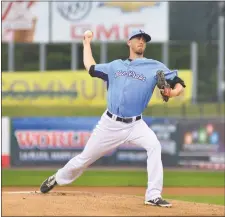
x=88, y=33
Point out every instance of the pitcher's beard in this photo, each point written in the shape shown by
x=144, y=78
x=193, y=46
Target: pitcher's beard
x=139, y=53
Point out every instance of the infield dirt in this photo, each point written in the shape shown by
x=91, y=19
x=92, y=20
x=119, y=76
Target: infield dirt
x=107, y=201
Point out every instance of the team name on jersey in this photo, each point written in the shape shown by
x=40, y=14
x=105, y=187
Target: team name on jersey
x=130, y=74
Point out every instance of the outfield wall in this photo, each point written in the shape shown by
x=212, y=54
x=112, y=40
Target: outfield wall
x=53, y=141
x=5, y=142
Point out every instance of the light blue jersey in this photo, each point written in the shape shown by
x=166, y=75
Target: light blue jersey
x=130, y=84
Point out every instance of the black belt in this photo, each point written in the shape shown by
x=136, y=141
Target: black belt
x=125, y=120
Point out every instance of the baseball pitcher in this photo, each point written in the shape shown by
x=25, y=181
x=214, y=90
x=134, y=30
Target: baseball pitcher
x=130, y=85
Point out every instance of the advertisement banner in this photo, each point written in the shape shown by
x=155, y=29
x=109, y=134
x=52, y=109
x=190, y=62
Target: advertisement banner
x=5, y=142
x=166, y=132
x=54, y=141
x=109, y=20
x=68, y=88
x=55, y=88
x=48, y=141
x=202, y=143
x=25, y=21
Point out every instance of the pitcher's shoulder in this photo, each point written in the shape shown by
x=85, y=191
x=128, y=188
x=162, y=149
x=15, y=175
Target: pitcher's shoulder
x=117, y=61
x=155, y=62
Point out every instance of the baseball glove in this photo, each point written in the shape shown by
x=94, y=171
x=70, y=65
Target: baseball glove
x=163, y=85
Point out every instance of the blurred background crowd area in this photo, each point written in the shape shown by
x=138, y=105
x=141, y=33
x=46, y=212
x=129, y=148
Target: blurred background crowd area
x=43, y=40
x=185, y=36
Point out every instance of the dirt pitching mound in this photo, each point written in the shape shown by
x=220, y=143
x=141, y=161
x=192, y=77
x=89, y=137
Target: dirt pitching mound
x=73, y=203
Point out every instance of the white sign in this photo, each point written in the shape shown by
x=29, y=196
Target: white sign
x=25, y=21
x=109, y=20
x=5, y=136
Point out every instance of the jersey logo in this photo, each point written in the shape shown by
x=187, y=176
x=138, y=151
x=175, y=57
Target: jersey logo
x=130, y=74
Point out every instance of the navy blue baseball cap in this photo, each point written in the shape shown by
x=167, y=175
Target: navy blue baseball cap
x=140, y=32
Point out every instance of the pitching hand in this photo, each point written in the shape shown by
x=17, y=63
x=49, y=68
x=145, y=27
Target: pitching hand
x=87, y=38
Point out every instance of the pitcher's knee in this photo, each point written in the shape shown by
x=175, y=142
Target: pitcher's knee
x=154, y=146
x=158, y=144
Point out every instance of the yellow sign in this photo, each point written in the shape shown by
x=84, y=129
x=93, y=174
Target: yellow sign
x=186, y=75
x=66, y=88
x=128, y=6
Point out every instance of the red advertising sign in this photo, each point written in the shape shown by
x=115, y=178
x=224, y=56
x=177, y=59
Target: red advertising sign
x=28, y=139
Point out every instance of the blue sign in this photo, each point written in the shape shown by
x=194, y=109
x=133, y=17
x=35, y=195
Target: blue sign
x=43, y=141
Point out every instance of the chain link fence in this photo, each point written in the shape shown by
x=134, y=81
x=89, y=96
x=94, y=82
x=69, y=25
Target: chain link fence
x=200, y=58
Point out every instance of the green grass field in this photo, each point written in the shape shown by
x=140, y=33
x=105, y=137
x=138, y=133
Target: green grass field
x=164, y=110
x=116, y=178
x=219, y=200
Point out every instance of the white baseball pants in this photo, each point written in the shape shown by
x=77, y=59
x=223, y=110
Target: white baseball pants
x=109, y=134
